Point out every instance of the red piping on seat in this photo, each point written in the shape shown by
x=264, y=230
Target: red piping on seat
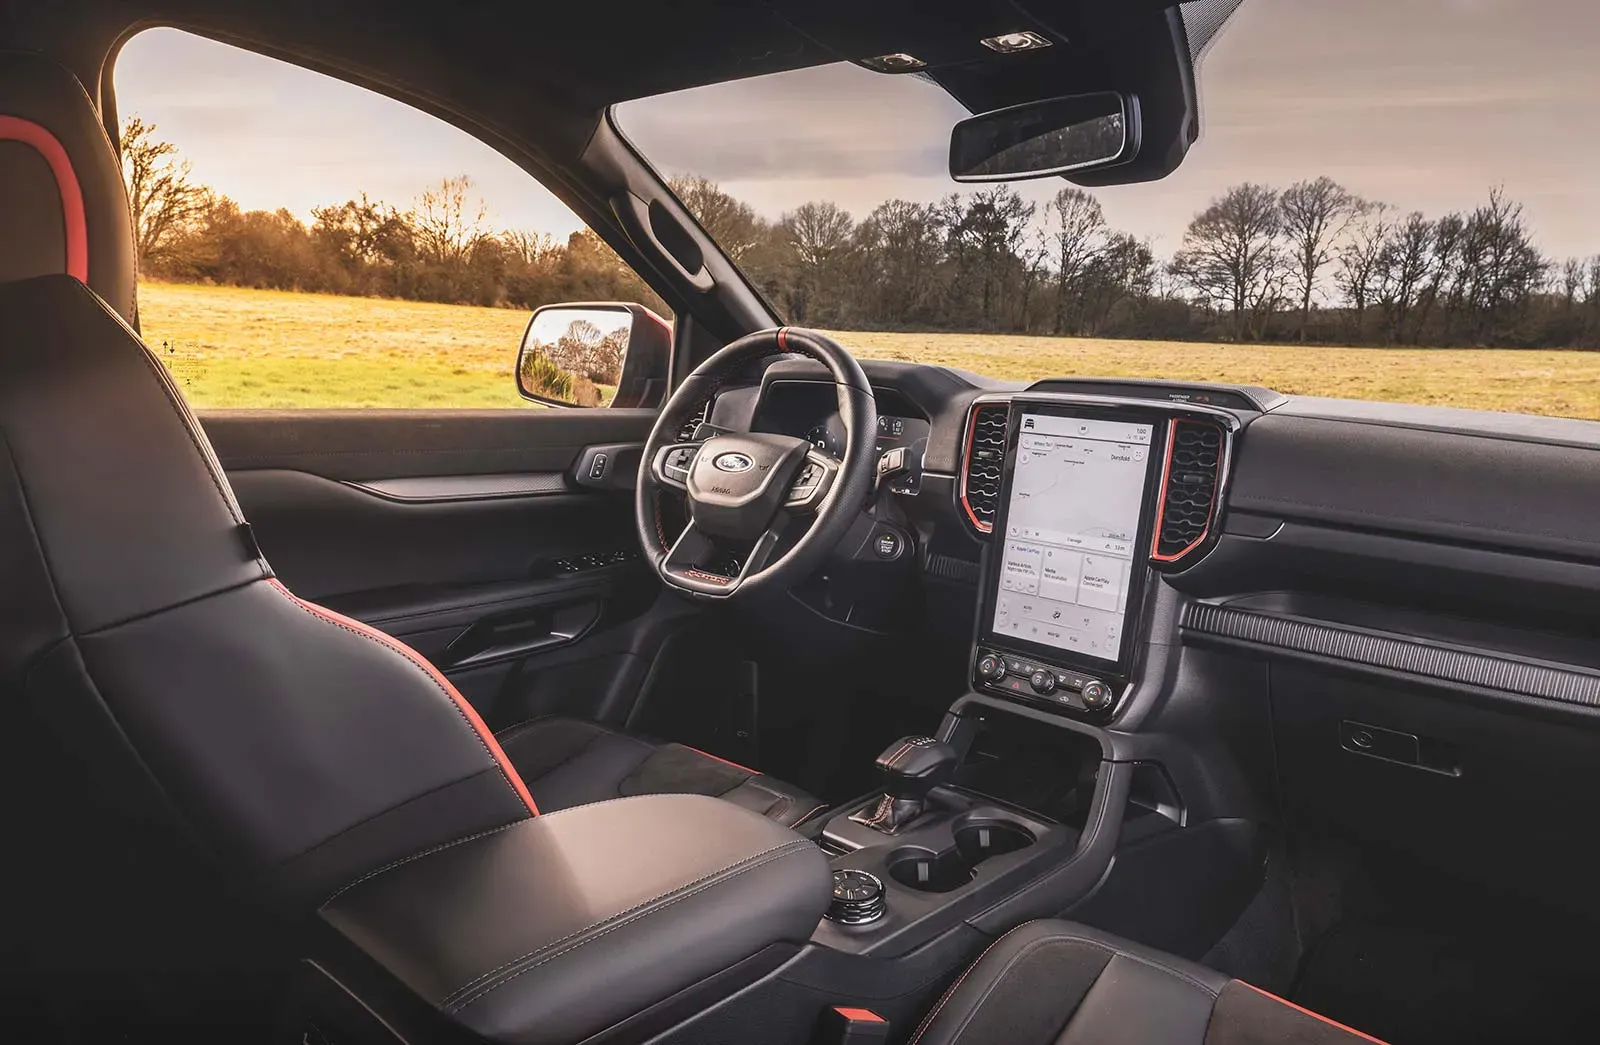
x=15, y=128
x=467, y=710
x=724, y=761
x=1316, y=1016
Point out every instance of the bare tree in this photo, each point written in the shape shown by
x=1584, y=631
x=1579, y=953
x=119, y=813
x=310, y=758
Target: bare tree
x=448, y=223
x=1232, y=254
x=1402, y=272
x=163, y=199
x=732, y=224
x=1078, y=231
x=1314, y=215
x=1358, y=257
x=529, y=248
x=819, y=236
x=899, y=247
x=987, y=232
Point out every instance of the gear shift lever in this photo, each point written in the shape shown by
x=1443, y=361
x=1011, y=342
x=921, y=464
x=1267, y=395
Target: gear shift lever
x=910, y=767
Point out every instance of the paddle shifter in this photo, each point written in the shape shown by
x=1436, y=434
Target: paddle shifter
x=910, y=767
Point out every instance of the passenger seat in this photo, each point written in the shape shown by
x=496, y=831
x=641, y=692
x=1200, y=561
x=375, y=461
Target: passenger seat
x=1056, y=983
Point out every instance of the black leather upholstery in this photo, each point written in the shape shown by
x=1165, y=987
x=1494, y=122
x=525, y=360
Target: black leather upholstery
x=1056, y=983
x=40, y=93
x=141, y=622
x=567, y=763
x=555, y=928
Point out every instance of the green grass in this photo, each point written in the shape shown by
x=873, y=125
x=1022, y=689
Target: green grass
x=231, y=347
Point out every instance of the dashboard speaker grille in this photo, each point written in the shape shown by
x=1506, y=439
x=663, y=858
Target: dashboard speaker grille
x=1189, y=489
x=986, y=452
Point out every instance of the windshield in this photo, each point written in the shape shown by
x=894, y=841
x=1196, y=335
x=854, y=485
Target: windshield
x=1391, y=201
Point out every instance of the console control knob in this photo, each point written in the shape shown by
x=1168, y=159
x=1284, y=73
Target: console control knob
x=1043, y=682
x=991, y=668
x=1097, y=696
x=857, y=898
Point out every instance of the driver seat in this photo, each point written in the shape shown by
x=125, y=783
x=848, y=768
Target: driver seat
x=192, y=758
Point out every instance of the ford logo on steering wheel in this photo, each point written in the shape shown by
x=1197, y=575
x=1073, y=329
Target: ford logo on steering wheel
x=732, y=463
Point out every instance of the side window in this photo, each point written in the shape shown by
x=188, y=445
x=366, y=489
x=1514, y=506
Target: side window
x=306, y=243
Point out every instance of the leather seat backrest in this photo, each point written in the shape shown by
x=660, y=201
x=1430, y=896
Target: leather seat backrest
x=63, y=204
x=142, y=627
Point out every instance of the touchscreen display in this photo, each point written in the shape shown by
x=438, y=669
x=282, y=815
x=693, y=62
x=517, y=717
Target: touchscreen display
x=1072, y=524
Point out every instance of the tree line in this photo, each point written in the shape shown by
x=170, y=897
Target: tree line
x=439, y=248
x=1313, y=262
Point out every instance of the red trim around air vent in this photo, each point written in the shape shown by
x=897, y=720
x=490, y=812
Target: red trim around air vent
x=1161, y=505
x=15, y=128
x=966, y=470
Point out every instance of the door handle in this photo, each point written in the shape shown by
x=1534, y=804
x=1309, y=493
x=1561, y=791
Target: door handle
x=498, y=639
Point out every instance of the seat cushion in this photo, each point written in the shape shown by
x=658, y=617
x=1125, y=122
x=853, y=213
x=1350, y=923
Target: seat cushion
x=1056, y=983
x=568, y=762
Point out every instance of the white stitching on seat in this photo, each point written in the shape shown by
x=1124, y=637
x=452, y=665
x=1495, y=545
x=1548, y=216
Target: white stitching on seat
x=994, y=981
x=416, y=856
x=483, y=985
x=948, y=994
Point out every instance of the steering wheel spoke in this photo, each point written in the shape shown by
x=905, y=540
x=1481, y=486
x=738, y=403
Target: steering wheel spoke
x=812, y=483
x=698, y=561
x=672, y=464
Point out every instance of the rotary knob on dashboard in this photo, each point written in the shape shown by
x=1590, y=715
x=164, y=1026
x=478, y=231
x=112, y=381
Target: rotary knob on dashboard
x=1097, y=696
x=990, y=668
x=1043, y=682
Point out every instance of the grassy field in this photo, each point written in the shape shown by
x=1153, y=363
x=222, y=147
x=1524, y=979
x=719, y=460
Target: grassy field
x=230, y=347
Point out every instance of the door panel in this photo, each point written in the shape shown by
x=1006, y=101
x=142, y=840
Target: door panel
x=469, y=535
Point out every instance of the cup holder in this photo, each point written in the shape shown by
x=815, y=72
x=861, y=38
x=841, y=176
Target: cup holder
x=930, y=872
x=977, y=842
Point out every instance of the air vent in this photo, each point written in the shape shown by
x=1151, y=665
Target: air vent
x=985, y=456
x=1188, y=489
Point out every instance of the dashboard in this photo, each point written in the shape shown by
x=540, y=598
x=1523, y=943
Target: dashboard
x=1385, y=610
x=808, y=409
x=1370, y=535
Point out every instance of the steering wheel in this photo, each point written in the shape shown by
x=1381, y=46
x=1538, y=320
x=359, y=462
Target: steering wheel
x=748, y=492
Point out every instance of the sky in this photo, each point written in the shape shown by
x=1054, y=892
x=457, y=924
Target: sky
x=1423, y=104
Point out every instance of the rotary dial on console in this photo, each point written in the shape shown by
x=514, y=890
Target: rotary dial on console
x=857, y=898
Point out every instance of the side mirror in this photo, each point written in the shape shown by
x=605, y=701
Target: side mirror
x=595, y=354
x=1056, y=136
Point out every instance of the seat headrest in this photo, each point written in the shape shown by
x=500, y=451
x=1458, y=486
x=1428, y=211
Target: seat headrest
x=62, y=200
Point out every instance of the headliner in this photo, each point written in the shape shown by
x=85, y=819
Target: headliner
x=498, y=62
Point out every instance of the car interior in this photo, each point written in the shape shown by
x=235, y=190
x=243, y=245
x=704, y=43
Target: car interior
x=794, y=698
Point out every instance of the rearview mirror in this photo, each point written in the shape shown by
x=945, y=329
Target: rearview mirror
x=1039, y=139
x=595, y=354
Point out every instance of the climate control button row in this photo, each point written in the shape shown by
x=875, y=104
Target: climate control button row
x=1018, y=676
